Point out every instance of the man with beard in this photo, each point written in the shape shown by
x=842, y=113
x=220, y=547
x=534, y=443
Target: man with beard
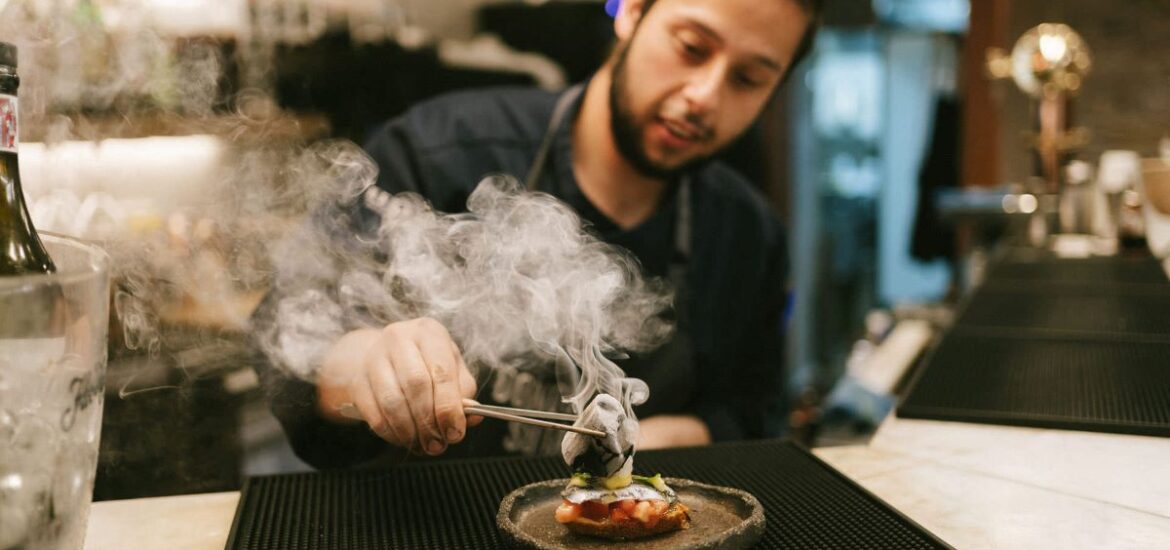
x=629, y=150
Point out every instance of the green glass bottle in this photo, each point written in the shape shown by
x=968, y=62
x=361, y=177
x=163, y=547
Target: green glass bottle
x=21, y=250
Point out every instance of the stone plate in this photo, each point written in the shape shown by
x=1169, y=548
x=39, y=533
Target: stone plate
x=721, y=517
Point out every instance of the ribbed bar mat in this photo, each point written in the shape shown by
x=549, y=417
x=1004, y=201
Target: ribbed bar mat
x=1097, y=312
x=1063, y=383
x=453, y=504
x=1093, y=271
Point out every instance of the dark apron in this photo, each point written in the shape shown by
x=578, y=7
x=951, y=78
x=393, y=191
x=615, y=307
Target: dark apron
x=669, y=370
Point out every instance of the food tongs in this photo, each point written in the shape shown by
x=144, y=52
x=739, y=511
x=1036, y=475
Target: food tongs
x=528, y=416
x=531, y=417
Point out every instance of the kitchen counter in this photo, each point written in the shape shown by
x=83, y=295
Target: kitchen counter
x=981, y=486
x=975, y=486
x=187, y=522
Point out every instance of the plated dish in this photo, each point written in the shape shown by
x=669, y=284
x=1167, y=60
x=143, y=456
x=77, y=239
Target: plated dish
x=621, y=507
x=719, y=517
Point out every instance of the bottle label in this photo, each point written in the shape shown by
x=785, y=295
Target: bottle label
x=9, y=136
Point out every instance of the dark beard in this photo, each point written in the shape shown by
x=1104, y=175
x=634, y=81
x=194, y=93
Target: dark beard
x=627, y=134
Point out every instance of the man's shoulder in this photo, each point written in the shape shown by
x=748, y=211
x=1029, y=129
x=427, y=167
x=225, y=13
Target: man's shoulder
x=496, y=116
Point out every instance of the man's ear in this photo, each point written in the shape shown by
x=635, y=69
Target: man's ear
x=627, y=19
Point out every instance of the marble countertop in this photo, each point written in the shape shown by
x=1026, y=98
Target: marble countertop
x=975, y=486
x=188, y=522
x=996, y=487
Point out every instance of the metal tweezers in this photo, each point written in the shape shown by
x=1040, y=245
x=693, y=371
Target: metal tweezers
x=524, y=416
x=528, y=416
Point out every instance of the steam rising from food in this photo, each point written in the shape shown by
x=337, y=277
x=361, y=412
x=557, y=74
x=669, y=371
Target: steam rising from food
x=517, y=280
x=608, y=456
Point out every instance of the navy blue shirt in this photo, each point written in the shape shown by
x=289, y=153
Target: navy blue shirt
x=736, y=275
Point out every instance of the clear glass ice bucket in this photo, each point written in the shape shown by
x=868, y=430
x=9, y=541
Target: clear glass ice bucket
x=52, y=375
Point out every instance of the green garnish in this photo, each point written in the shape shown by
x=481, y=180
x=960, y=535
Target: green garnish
x=655, y=482
x=580, y=480
x=613, y=483
x=616, y=482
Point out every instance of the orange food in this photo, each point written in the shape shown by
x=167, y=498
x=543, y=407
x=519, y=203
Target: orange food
x=594, y=510
x=567, y=512
x=646, y=518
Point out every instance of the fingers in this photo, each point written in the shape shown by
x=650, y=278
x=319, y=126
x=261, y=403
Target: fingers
x=467, y=385
x=412, y=389
x=436, y=348
x=413, y=377
x=425, y=365
x=392, y=401
x=381, y=404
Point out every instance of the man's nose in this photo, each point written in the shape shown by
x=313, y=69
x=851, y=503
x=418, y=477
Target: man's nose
x=704, y=88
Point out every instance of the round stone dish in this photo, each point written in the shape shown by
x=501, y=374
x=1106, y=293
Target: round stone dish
x=721, y=517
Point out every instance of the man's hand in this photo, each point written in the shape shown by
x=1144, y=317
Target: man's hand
x=407, y=381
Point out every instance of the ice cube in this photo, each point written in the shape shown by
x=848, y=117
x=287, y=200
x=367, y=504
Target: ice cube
x=36, y=439
x=24, y=506
x=73, y=478
x=7, y=428
x=14, y=512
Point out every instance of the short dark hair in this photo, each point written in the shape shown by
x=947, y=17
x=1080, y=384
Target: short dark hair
x=811, y=7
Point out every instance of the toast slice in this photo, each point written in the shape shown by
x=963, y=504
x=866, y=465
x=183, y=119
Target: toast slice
x=673, y=519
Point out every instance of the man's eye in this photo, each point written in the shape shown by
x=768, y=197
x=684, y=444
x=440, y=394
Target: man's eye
x=691, y=50
x=746, y=80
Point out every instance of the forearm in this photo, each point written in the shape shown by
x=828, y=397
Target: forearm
x=662, y=431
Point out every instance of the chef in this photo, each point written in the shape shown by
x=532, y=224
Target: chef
x=629, y=150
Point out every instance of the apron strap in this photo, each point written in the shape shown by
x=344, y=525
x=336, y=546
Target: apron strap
x=532, y=182
x=682, y=227
x=682, y=253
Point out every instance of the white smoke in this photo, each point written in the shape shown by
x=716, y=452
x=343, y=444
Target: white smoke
x=517, y=279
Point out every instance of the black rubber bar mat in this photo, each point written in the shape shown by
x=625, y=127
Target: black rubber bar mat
x=1046, y=382
x=452, y=504
x=1091, y=312
x=1090, y=271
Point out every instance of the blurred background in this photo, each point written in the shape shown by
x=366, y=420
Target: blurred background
x=186, y=133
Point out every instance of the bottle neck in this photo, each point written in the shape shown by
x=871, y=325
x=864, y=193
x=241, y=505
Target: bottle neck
x=9, y=138
x=9, y=179
x=9, y=80
x=13, y=212
x=9, y=110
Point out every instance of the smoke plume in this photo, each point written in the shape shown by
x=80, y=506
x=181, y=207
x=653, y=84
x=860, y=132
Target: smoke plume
x=517, y=279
